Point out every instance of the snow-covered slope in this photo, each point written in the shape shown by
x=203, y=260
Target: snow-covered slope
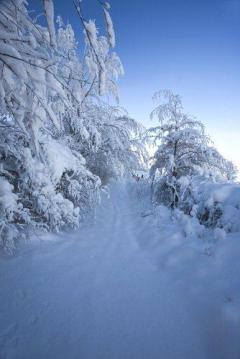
x=124, y=287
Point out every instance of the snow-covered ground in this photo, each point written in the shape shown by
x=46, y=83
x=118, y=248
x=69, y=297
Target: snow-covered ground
x=128, y=286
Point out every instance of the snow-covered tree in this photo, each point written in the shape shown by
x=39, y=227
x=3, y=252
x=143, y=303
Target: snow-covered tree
x=183, y=150
x=117, y=143
x=105, y=137
x=103, y=66
x=53, y=124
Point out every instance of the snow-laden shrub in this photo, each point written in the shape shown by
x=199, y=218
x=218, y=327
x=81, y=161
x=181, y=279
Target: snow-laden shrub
x=51, y=193
x=213, y=203
x=59, y=187
x=217, y=204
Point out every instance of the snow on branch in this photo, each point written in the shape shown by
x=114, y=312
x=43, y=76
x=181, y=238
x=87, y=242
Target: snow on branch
x=109, y=25
x=49, y=12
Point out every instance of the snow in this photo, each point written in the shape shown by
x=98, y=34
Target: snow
x=127, y=285
x=60, y=159
x=49, y=11
x=8, y=56
x=221, y=199
x=8, y=199
x=110, y=29
x=137, y=280
x=92, y=33
x=219, y=233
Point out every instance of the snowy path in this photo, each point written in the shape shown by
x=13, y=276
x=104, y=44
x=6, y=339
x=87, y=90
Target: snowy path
x=114, y=290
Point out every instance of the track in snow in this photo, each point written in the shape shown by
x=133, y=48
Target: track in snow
x=100, y=294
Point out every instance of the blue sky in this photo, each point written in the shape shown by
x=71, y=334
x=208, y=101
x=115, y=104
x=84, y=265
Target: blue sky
x=189, y=46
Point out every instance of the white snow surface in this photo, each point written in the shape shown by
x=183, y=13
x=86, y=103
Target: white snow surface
x=128, y=285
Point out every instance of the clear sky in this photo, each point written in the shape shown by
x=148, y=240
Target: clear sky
x=189, y=46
